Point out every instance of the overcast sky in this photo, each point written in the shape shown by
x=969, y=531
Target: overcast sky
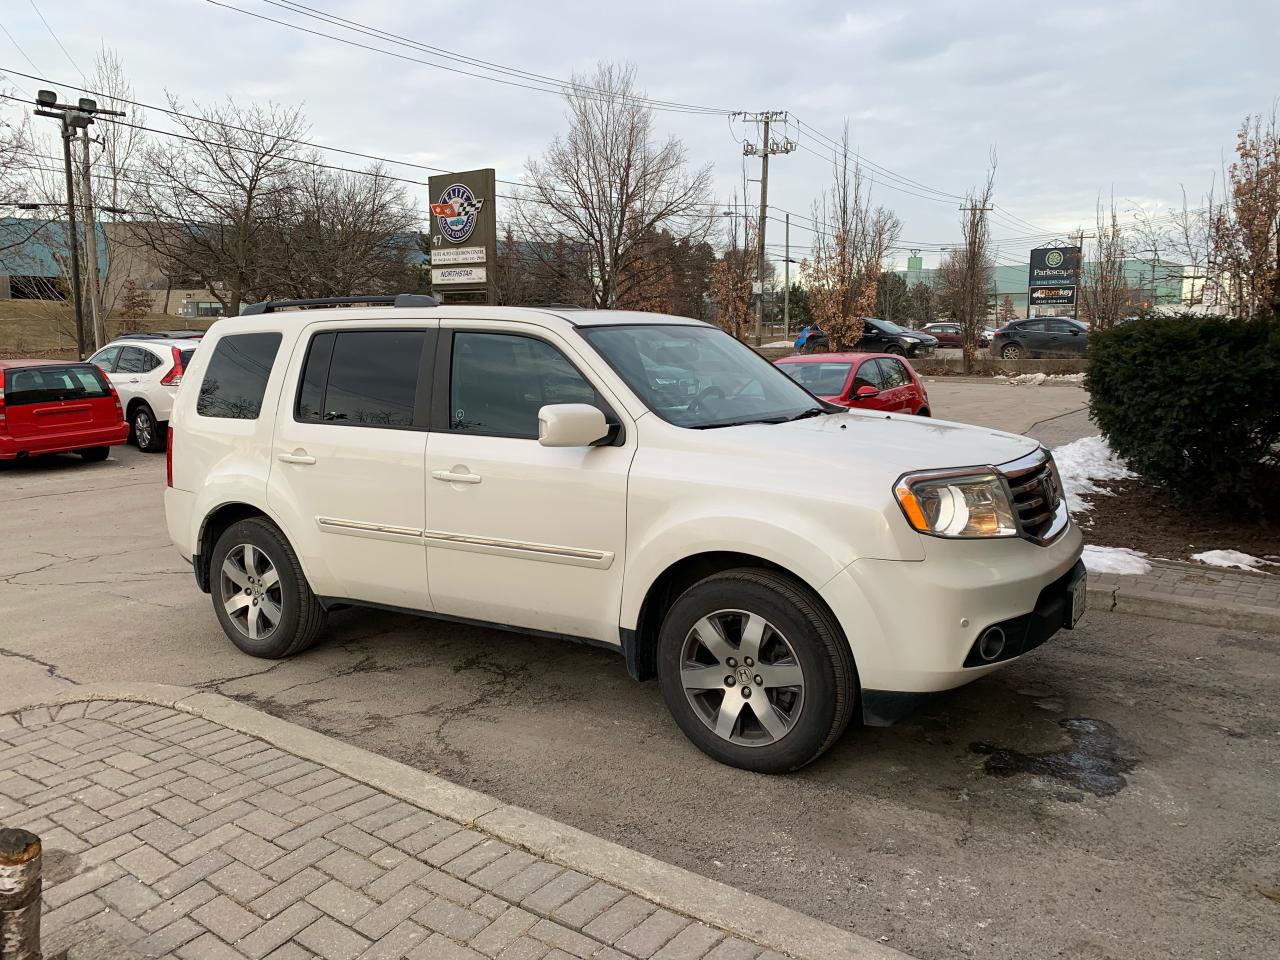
x=1076, y=98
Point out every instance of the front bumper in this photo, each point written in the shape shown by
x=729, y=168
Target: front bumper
x=912, y=625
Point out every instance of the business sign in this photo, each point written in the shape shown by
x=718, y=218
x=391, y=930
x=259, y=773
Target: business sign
x=1053, y=296
x=475, y=276
x=464, y=230
x=446, y=256
x=1054, y=267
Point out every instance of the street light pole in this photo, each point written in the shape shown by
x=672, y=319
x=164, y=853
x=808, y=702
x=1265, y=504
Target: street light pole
x=786, y=284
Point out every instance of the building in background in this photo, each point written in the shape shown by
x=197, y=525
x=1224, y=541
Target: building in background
x=1157, y=283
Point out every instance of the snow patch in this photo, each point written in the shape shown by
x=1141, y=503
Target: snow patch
x=778, y=344
x=1232, y=558
x=1081, y=463
x=1115, y=560
x=1036, y=379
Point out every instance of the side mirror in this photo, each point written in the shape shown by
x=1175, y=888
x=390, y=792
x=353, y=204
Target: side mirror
x=571, y=425
x=865, y=393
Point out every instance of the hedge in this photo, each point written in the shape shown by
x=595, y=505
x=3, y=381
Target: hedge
x=1193, y=403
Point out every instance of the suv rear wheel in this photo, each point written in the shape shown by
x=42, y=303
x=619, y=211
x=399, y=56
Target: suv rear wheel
x=260, y=595
x=1011, y=351
x=146, y=431
x=755, y=672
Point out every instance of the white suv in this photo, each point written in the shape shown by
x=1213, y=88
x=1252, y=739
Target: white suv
x=641, y=482
x=145, y=369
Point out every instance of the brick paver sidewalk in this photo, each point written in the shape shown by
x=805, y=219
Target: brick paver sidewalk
x=1195, y=592
x=168, y=834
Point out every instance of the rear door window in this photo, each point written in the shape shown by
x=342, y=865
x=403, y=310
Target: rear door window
x=53, y=384
x=132, y=360
x=363, y=378
x=236, y=378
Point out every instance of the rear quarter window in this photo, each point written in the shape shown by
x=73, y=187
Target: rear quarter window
x=236, y=378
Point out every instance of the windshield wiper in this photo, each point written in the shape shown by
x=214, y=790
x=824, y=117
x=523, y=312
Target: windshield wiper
x=806, y=414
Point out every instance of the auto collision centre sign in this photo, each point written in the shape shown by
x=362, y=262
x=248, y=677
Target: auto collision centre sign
x=1053, y=275
x=464, y=235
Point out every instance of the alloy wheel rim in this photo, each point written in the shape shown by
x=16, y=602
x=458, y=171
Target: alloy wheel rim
x=742, y=678
x=142, y=428
x=251, y=591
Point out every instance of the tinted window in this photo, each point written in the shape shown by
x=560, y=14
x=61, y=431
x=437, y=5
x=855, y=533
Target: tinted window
x=868, y=376
x=500, y=381
x=236, y=377
x=1060, y=326
x=52, y=384
x=893, y=373
x=105, y=358
x=1031, y=326
x=133, y=360
x=314, y=374
x=822, y=379
x=373, y=377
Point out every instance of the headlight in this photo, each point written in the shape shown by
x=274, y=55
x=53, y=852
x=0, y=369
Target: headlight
x=910, y=339
x=956, y=505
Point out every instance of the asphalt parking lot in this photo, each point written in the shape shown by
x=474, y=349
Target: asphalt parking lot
x=1113, y=795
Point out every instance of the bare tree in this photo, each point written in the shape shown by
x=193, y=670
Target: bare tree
x=608, y=185
x=851, y=240
x=207, y=197
x=1104, y=291
x=734, y=272
x=1246, y=230
x=15, y=143
x=336, y=234
x=1185, y=235
x=973, y=266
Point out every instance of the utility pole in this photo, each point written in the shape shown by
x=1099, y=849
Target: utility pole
x=72, y=118
x=786, y=284
x=767, y=147
x=91, y=245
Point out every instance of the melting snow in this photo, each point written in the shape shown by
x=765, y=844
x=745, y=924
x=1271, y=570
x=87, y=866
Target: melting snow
x=1083, y=461
x=1035, y=379
x=1115, y=560
x=1231, y=558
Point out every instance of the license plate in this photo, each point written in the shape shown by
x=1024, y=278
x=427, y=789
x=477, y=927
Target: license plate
x=1079, y=600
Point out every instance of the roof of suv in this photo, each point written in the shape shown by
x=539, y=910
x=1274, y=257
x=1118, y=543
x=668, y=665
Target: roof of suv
x=556, y=317
x=184, y=343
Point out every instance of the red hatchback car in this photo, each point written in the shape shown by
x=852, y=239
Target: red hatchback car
x=51, y=406
x=860, y=381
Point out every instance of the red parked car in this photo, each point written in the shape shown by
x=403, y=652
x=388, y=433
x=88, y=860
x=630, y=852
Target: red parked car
x=860, y=381
x=52, y=406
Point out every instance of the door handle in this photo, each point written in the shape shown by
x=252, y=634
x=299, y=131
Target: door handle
x=133, y=379
x=448, y=476
x=298, y=456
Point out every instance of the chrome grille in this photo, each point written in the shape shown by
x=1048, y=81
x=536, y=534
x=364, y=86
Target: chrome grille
x=1035, y=493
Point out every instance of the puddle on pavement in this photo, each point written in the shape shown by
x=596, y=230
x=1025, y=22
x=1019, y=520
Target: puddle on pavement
x=1089, y=764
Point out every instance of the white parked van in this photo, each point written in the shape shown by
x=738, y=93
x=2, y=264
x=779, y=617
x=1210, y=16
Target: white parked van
x=641, y=482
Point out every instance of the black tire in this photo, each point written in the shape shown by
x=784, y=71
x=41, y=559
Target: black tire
x=896, y=350
x=94, y=454
x=923, y=412
x=830, y=682
x=1011, y=351
x=300, y=618
x=148, y=434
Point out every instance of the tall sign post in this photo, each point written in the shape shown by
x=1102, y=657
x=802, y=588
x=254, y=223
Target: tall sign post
x=1053, y=277
x=464, y=236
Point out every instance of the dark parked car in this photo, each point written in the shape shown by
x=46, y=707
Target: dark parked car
x=951, y=335
x=1041, y=337
x=878, y=336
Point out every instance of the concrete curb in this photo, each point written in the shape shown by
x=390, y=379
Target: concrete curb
x=1163, y=606
x=681, y=891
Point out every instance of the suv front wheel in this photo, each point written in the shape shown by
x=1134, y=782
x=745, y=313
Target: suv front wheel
x=755, y=672
x=260, y=594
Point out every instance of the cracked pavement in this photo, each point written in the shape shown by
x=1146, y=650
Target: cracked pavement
x=899, y=833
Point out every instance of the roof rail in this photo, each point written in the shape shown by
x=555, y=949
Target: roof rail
x=390, y=300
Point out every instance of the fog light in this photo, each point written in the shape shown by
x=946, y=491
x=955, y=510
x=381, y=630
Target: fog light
x=992, y=644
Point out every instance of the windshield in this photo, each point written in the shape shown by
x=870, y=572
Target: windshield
x=821, y=379
x=890, y=326
x=698, y=376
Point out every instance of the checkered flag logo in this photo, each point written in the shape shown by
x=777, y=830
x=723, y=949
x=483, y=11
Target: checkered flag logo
x=467, y=207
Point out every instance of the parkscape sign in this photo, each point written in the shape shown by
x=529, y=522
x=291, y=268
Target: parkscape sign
x=1053, y=276
x=464, y=236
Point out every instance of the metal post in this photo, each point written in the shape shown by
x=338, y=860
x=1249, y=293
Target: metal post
x=786, y=284
x=73, y=239
x=91, y=247
x=764, y=210
x=20, y=885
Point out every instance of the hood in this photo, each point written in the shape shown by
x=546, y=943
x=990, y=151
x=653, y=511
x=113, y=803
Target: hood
x=886, y=445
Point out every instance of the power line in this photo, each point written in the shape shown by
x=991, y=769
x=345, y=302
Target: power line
x=74, y=65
